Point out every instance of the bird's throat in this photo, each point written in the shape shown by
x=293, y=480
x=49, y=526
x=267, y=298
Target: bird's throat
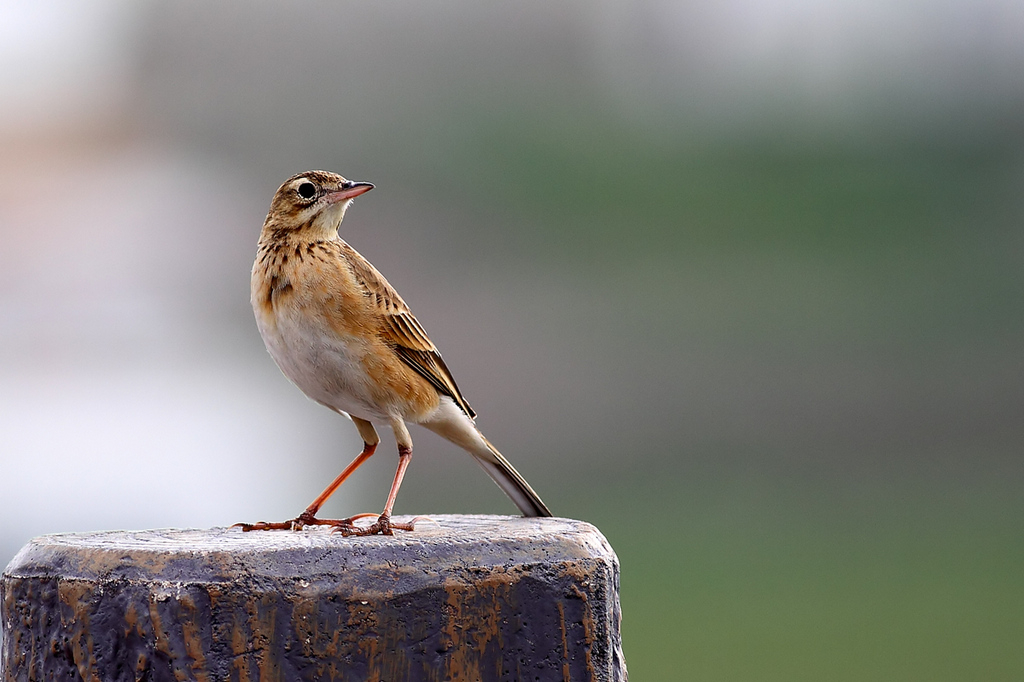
x=325, y=224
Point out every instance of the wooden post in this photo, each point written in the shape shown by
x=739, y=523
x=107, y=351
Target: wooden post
x=466, y=598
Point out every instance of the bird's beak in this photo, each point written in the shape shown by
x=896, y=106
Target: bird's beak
x=348, y=190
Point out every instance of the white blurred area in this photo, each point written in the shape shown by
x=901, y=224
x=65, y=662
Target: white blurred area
x=64, y=63
x=134, y=390
x=127, y=396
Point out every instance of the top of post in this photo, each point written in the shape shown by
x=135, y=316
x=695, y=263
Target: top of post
x=224, y=554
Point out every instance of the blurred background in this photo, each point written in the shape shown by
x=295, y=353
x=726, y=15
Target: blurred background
x=738, y=282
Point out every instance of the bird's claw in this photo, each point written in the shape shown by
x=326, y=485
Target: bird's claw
x=265, y=525
x=301, y=521
x=382, y=526
x=347, y=527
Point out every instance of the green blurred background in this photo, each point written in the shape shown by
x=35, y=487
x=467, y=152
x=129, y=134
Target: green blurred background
x=740, y=283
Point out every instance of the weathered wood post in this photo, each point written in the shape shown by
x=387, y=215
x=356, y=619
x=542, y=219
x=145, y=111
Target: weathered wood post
x=468, y=598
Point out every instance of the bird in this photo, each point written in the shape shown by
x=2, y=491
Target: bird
x=341, y=333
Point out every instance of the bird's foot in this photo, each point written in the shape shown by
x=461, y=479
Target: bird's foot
x=265, y=525
x=383, y=525
x=306, y=518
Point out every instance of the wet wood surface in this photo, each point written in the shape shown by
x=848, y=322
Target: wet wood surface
x=465, y=598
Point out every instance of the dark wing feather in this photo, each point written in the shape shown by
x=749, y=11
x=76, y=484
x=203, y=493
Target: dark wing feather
x=403, y=331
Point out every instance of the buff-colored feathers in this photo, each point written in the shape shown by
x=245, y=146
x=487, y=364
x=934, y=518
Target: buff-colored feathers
x=342, y=334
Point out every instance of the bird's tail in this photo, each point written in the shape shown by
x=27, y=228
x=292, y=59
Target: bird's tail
x=453, y=424
x=511, y=481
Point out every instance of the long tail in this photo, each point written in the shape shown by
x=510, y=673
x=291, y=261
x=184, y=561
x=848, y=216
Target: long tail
x=511, y=481
x=451, y=423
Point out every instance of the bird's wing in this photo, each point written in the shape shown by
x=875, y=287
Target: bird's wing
x=403, y=331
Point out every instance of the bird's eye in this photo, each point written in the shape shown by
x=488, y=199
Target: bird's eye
x=307, y=190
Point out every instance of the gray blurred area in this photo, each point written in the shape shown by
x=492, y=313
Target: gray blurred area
x=738, y=282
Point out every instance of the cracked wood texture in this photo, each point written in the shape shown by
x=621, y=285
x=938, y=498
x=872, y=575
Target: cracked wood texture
x=466, y=598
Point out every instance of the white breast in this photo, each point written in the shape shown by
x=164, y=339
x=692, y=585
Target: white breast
x=327, y=367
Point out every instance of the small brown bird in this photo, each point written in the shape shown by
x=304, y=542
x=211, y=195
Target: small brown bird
x=343, y=335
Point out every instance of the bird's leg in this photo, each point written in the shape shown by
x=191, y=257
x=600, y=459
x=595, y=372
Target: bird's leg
x=308, y=517
x=384, y=525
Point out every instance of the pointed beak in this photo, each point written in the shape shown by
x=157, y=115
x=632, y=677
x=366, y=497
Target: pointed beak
x=349, y=190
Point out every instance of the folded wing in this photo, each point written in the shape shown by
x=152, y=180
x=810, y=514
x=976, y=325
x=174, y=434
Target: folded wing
x=403, y=331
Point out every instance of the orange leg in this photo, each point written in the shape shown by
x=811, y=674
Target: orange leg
x=308, y=517
x=383, y=525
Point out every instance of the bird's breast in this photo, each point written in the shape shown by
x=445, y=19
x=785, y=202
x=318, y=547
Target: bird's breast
x=324, y=332
x=313, y=325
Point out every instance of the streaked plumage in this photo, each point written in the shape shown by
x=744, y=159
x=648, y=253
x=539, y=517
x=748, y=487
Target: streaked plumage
x=342, y=334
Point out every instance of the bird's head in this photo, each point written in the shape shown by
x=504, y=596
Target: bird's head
x=314, y=201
